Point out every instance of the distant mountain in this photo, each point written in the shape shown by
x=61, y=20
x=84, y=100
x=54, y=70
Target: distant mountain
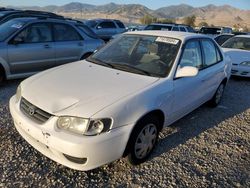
x=216, y=15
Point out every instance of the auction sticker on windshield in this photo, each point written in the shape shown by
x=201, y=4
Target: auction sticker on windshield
x=167, y=40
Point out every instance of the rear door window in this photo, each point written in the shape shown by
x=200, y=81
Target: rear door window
x=107, y=25
x=209, y=52
x=175, y=29
x=182, y=29
x=64, y=32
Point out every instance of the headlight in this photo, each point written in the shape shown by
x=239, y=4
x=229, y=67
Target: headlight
x=245, y=63
x=84, y=126
x=18, y=93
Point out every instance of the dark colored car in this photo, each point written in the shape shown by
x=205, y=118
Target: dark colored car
x=220, y=39
x=106, y=28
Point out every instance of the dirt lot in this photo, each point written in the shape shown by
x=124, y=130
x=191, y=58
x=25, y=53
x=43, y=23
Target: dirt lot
x=207, y=148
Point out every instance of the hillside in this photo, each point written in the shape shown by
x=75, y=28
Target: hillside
x=216, y=15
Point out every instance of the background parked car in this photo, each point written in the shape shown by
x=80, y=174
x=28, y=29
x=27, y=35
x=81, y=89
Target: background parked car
x=215, y=31
x=170, y=27
x=220, y=39
x=29, y=45
x=238, y=48
x=106, y=28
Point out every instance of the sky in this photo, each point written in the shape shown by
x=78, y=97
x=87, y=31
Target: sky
x=152, y=4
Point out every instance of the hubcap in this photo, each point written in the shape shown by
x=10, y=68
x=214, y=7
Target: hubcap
x=145, y=141
x=219, y=94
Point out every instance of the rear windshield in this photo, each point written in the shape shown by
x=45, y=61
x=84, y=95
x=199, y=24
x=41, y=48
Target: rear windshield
x=237, y=43
x=87, y=31
x=10, y=27
x=159, y=27
x=212, y=31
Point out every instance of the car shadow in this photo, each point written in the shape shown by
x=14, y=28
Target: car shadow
x=205, y=117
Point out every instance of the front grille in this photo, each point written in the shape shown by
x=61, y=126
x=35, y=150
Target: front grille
x=33, y=112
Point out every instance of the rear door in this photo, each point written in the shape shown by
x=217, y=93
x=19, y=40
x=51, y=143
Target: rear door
x=35, y=52
x=69, y=44
x=213, y=68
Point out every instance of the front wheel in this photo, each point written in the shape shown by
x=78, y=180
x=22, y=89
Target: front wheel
x=143, y=140
x=217, y=96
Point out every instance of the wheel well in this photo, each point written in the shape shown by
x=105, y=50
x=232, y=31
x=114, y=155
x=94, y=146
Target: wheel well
x=158, y=113
x=224, y=81
x=2, y=72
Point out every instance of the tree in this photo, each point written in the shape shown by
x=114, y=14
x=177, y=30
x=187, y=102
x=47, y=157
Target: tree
x=165, y=20
x=201, y=24
x=148, y=19
x=190, y=20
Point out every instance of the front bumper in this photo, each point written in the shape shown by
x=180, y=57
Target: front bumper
x=239, y=70
x=62, y=146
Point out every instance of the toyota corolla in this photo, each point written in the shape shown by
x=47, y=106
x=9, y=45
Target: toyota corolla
x=115, y=103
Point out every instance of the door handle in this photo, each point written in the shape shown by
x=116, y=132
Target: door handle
x=46, y=46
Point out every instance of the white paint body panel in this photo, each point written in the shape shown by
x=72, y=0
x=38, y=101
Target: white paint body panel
x=87, y=90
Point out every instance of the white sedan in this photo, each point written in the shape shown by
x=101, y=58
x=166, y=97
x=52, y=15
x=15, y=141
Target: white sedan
x=238, y=48
x=116, y=102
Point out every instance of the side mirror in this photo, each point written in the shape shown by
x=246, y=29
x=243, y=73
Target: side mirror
x=186, y=71
x=17, y=40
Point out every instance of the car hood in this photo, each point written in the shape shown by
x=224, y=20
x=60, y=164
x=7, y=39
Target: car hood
x=237, y=55
x=81, y=88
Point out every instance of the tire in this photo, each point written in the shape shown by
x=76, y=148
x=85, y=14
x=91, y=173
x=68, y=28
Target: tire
x=139, y=149
x=217, y=96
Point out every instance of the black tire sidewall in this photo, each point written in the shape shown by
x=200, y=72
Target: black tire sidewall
x=134, y=135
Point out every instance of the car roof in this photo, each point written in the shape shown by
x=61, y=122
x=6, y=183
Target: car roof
x=171, y=34
x=243, y=36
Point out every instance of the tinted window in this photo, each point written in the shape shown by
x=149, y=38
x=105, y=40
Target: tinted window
x=39, y=32
x=182, y=29
x=212, y=31
x=107, y=25
x=223, y=38
x=65, y=32
x=190, y=29
x=120, y=24
x=10, y=27
x=191, y=55
x=158, y=27
x=238, y=43
x=209, y=52
x=175, y=29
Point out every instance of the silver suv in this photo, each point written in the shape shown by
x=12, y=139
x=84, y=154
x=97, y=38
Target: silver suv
x=106, y=28
x=29, y=45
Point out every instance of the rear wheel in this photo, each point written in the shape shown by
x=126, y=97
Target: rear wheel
x=217, y=96
x=143, y=140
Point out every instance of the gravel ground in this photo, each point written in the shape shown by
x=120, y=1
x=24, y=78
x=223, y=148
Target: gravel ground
x=207, y=148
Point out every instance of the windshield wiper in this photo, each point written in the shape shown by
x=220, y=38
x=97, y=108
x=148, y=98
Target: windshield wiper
x=100, y=62
x=129, y=67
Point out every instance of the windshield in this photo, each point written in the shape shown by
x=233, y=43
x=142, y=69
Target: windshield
x=8, y=28
x=147, y=55
x=87, y=31
x=91, y=23
x=237, y=43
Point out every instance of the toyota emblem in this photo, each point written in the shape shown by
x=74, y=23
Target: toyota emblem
x=31, y=111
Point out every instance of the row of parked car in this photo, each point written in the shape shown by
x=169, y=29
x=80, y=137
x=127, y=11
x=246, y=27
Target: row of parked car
x=114, y=103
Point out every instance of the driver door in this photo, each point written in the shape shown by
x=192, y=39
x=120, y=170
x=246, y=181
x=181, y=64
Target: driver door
x=188, y=90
